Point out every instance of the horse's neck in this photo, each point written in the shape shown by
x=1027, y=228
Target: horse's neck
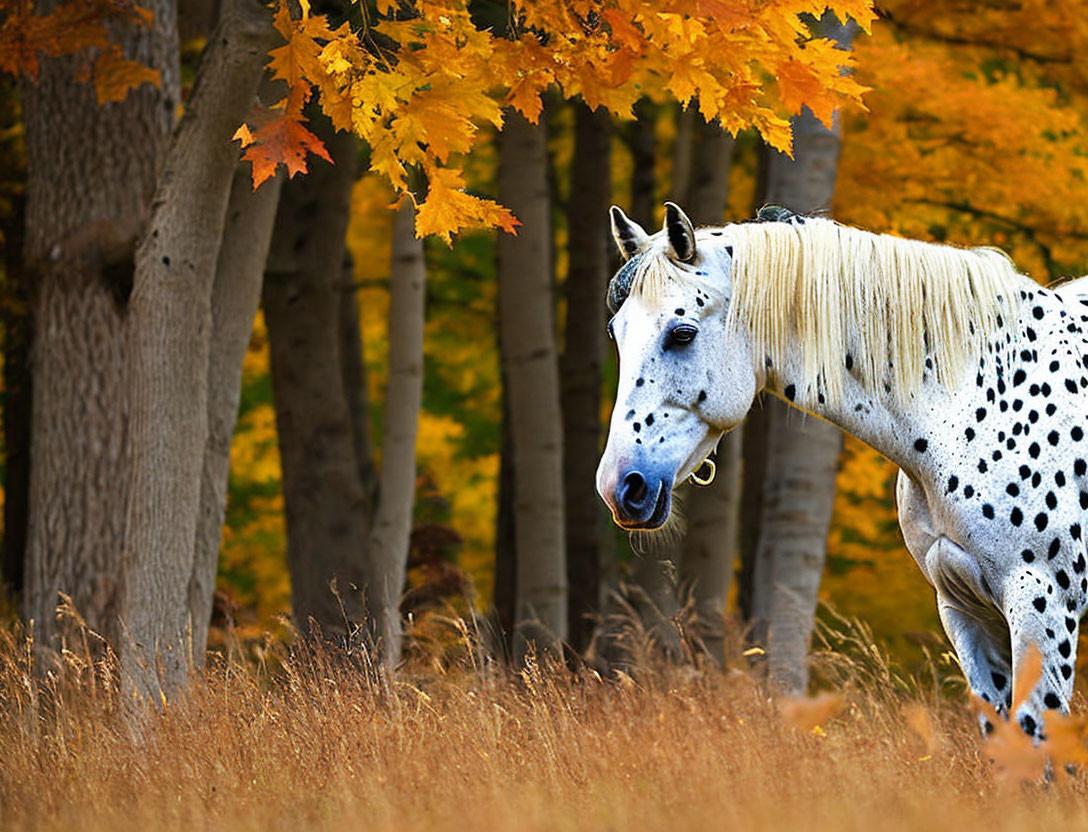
x=875, y=418
x=894, y=426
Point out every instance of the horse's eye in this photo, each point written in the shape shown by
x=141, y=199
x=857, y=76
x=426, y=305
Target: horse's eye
x=683, y=334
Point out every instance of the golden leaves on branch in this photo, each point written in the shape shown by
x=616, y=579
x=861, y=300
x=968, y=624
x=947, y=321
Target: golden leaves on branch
x=419, y=81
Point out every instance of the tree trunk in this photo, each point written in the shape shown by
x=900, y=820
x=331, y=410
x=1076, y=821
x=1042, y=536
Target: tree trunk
x=404, y=397
x=324, y=503
x=583, y=354
x=710, y=545
x=18, y=326
x=640, y=140
x=236, y=293
x=798, y=495
x=682, y=152
x=91, y=173
x=802, y=453
x=506, y=549
x=353, y=373
x=527, y=326
x=168, y=342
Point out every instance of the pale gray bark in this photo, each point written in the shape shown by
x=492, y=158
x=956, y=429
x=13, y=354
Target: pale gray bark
x=91, y=173
x=389, y=536
x=235, y=295
x=527, y=325
x=798, y=496
x=583, y=355
x=324, y=503
x=802, y=453
x=168, y=343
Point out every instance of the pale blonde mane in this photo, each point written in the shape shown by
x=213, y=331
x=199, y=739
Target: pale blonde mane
x=835, y=290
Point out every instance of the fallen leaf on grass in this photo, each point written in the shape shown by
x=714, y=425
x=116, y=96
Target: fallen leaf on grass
x=807, y=713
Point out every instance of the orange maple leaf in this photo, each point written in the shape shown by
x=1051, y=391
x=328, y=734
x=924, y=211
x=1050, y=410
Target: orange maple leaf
x=115, y=75
x=279, y=138
x=807, y=713
x=1014, y=754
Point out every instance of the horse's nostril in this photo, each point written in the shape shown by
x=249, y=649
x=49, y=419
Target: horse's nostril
x=634, y=488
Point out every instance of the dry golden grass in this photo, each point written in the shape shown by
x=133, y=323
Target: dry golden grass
x=315, y=740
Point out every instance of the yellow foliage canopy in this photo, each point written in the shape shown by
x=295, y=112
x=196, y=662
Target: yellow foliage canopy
x=419, y=82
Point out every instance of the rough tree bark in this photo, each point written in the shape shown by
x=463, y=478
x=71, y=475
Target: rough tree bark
x=710, y=545
x=324, y=502
x=91, y=173
x=168, y=345
x=388, y=550
x=802, y=453
x=236, y=293
x=580, y=366
x=526, y=318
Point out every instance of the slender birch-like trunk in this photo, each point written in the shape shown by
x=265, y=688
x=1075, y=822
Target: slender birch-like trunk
x=168, y=345
x=530, y=370
x=236, y=294
x=392, y=526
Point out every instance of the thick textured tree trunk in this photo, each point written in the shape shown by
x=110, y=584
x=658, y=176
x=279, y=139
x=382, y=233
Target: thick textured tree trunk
x=236, y=293
x=168, y=343
x=802, y=453
x=324, y=503
x=388, y=555
x=710, y=545
x=527, y=326
x=583, y=353
x=91, y=174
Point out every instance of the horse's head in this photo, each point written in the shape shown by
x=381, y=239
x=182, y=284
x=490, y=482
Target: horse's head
x=685, y=377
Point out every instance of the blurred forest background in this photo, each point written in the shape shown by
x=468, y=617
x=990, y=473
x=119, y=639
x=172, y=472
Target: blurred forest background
x=974, y=132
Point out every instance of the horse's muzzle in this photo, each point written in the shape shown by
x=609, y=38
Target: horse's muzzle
x=640, y=503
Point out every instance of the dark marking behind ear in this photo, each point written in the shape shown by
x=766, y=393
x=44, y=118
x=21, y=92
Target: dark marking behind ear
x=680, y=232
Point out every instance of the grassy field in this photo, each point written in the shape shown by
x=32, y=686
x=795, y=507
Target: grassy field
x=310, y=739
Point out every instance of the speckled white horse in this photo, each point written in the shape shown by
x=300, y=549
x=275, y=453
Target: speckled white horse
x=965, y=373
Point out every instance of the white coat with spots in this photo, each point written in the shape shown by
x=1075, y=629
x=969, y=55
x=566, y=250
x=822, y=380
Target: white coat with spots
x=993, y=487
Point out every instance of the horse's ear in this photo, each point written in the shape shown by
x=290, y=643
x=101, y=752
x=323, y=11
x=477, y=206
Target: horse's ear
x=681, y=233
x=628, y=234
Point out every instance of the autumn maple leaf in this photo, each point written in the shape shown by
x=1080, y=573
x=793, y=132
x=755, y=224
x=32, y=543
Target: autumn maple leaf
x=1014, y=754
x=279, y=137
x=808, y=713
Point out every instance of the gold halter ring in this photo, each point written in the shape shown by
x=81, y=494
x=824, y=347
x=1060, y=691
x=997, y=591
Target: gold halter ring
x=705, y=480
